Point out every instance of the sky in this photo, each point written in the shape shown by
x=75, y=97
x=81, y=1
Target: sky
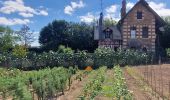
x=38, y=13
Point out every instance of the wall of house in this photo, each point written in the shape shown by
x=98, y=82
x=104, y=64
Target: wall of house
x=148, y=20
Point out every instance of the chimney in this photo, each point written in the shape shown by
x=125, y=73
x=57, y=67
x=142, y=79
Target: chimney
x=123, y=9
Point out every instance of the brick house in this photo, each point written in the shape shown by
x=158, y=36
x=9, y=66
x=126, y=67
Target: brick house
x=138, y=28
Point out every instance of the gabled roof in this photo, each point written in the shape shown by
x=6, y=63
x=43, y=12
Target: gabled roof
x=144, y=3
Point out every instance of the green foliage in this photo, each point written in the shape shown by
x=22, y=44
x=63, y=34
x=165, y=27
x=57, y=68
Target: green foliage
x=109, y=22
x=164, y=36
x=19, y=51
x=94, y=86
x=67, y=57
x=108, y=57
x=45, y=83
x=168, y=52
x=74, y=35
x=119, y=85
x=117, y=88
x=63, y=49
x=7, y=39
x=6, y=29
x=21, y=92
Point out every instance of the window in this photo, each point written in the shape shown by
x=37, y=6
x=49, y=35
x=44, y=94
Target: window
x=133, y=32
x=145, y=32
x=139, y=15
x=108, y=33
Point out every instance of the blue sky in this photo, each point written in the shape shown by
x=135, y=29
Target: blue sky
x=38, y=13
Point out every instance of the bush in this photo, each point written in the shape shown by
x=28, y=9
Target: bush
x=67, y=57
x=168, y=52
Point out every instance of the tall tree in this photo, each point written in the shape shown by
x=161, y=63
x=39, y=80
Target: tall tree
x=54, y=34
x=165, y=37
x=81, y=37
x=26, y=35
x=7, y=39
x=74, y=35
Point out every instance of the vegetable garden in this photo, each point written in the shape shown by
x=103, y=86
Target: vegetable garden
x=52, y=83
x=89, y=75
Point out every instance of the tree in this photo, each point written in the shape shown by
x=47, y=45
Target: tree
x=7, y=39
x=19, y=51
x=109, y=22
x=5, y=29
x=81, y=37
x=54, y=34
x=165, y=37
x=26, y=36
x=78, y=36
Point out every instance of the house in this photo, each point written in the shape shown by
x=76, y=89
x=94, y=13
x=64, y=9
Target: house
x=139, y=28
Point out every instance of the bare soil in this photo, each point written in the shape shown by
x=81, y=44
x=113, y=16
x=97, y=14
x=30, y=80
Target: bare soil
x=158, y=77
x=75, y=90
x=133, y=85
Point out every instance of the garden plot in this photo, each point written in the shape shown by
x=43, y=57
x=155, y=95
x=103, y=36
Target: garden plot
x=155, y=80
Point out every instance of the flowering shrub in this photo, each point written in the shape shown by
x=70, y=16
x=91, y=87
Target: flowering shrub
x=101, y=57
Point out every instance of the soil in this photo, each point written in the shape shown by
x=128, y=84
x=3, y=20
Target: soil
x=109, y=76
x=158, y=77
x=75, y=90
x=133, y=85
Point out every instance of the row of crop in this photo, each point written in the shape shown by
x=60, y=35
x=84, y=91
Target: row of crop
x=119, y=88
x=93, y=86
x=101, y=57
x=115, y=87
x=44, y=84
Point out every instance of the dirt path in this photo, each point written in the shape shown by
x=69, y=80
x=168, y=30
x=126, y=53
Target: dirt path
x=133, y=86
x=75, y=90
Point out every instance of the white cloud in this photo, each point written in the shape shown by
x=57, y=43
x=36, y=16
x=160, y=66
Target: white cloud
x=112, y=12
x=14, y=21
x=43, y=12
x=36, y=42
x=129, y=5
x=160, y=8
x=69, y=9
x=18, y=6
x=88, y=18
x=26, y=14
x=111, y=9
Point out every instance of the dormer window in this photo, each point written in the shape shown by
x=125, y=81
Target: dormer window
x=108, y=33
x=139, y=15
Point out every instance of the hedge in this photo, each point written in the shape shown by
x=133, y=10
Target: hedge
x=101, y=57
